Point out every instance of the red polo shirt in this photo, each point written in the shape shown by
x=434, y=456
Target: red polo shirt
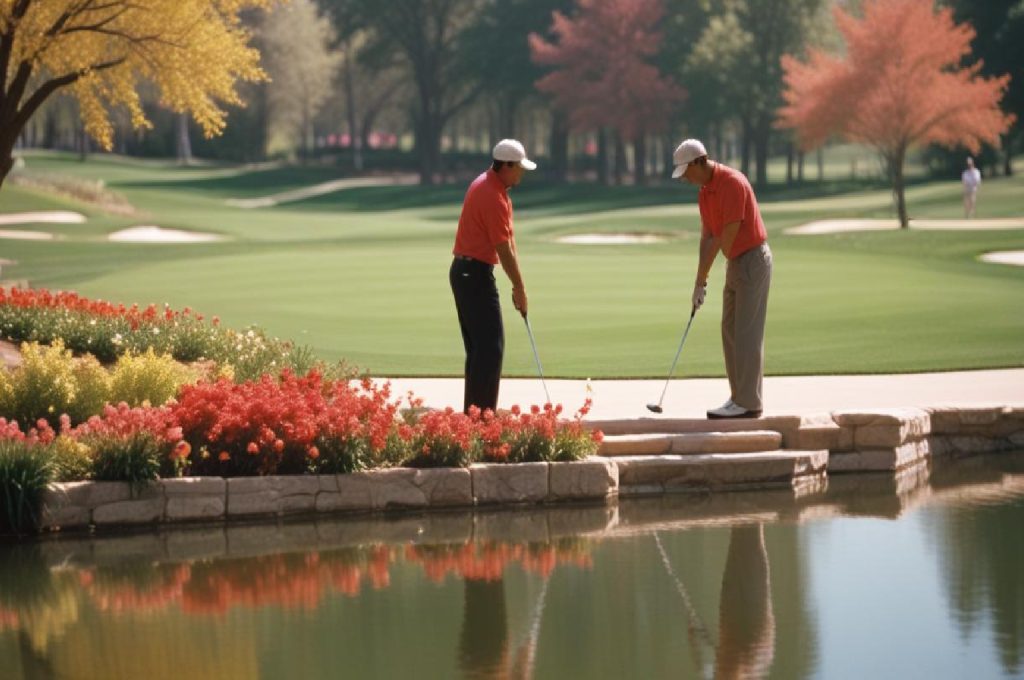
x=727, y=198
x=486, y=219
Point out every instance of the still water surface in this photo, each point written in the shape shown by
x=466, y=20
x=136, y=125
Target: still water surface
x=918, y=577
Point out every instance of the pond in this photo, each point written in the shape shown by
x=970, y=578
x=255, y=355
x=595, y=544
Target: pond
x=917, y=576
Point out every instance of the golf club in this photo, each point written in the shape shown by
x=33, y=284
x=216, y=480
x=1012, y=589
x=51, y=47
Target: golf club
x=656, y=408
x=536, y=357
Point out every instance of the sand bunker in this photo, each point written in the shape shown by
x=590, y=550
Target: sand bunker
x=20, y=235
x=840, y=226
x=609, y=239
x=150, y=234
x=1014, y=257
x=44, y=217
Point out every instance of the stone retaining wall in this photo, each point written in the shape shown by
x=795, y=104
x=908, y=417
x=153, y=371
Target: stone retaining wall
x=890, y=440
x=82, y=504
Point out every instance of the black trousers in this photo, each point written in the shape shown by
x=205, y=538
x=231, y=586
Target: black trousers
x=483, y=334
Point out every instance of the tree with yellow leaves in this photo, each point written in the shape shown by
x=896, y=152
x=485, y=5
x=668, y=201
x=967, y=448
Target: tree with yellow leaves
x=193, y=51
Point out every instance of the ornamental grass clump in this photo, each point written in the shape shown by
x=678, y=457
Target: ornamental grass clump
x=25, y=470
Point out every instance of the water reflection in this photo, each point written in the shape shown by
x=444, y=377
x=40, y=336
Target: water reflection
x=681, y=586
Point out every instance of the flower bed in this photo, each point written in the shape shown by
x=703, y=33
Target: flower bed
x=274, y=422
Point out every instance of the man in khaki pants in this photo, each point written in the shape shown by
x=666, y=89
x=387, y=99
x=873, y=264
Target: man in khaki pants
x=731, y=222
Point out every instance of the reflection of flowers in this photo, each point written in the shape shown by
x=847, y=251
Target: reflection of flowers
x=287, y=580
x=8, y=619
x=122, y=594
x=488, y=561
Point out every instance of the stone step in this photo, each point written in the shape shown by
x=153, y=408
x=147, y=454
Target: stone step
x=642, y=475
x=626, y=426
x=690, y=443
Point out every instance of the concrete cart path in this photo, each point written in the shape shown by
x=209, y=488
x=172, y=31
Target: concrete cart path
x=791, y=395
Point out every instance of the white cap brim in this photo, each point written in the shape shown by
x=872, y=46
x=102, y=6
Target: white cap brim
x=678, y=172
x=528, y=164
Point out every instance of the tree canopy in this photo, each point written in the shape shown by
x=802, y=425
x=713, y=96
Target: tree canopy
x=193, y=51
x=900, y=84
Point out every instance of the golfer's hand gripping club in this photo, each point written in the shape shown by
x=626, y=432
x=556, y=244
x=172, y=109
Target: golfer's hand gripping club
x=519, y=300
x=700, y=291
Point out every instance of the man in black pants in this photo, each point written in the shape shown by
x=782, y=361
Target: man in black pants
x=484, y=238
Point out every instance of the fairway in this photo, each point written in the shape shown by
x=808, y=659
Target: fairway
x=362, y=273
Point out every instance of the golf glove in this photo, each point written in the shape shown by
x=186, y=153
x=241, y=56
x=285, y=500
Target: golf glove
x=699, y=291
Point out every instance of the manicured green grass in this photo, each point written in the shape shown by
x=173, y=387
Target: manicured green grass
x=362, y=273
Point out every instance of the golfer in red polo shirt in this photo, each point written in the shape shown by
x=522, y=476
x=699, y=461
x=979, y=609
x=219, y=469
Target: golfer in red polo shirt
x=486, y=237
x=731, y=223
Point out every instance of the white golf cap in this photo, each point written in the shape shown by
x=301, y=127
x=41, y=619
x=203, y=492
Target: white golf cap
x=687, y=152
x=512, y=151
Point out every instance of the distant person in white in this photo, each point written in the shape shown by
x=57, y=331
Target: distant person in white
x=971, y=179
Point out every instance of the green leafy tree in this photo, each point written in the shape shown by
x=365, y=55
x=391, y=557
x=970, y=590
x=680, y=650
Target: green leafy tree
x=740, y=51
x=426, y=35
x=998, y=48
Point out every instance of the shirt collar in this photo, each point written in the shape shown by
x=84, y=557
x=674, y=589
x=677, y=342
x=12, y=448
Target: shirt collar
x=712, y=185
x=493, y=178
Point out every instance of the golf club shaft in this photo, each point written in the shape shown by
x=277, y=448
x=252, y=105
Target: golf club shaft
x=678, y=352
x=536, y=357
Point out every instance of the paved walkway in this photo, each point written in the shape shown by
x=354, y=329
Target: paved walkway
x=783, y=395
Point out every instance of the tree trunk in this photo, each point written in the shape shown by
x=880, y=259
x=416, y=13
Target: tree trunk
x=745, y=143
x=602, y=157
x=182, y=142
x=355, y=137
x=762, y=138
x=1008, y=141
x=789, y=162
x=620, y=158
x=6, y=163
x=559, y=172
x=896, y=171
x=83, y=143
x=821, y=164
x=428, y=144
x=640, y=159
x=800, y=167
x=668, y=147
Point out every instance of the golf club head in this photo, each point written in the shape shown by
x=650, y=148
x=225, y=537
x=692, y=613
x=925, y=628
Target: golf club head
x=656, y=408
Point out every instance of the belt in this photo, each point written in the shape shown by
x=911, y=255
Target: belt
x=472, y=260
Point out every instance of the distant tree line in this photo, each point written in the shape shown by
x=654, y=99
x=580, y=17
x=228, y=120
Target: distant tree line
x=596, y=88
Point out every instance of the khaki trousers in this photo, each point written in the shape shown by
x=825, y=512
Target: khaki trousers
x=744, y=308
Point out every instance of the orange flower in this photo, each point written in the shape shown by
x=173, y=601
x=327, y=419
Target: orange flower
x=224, y=456
x=253, y=449
x=313, y=452
x=181, y=450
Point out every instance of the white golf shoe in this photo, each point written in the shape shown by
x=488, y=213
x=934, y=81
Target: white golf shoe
x=731, y=409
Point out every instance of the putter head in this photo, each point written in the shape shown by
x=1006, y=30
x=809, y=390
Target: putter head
x=656, y=408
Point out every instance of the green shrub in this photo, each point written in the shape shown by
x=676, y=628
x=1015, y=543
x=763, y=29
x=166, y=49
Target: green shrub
x=42, y=387
x=92, y=388
x=339, y=456
x=25, y=470
x=49, y=382
x=147, y=377
x=72, y=460
x=135, y=458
